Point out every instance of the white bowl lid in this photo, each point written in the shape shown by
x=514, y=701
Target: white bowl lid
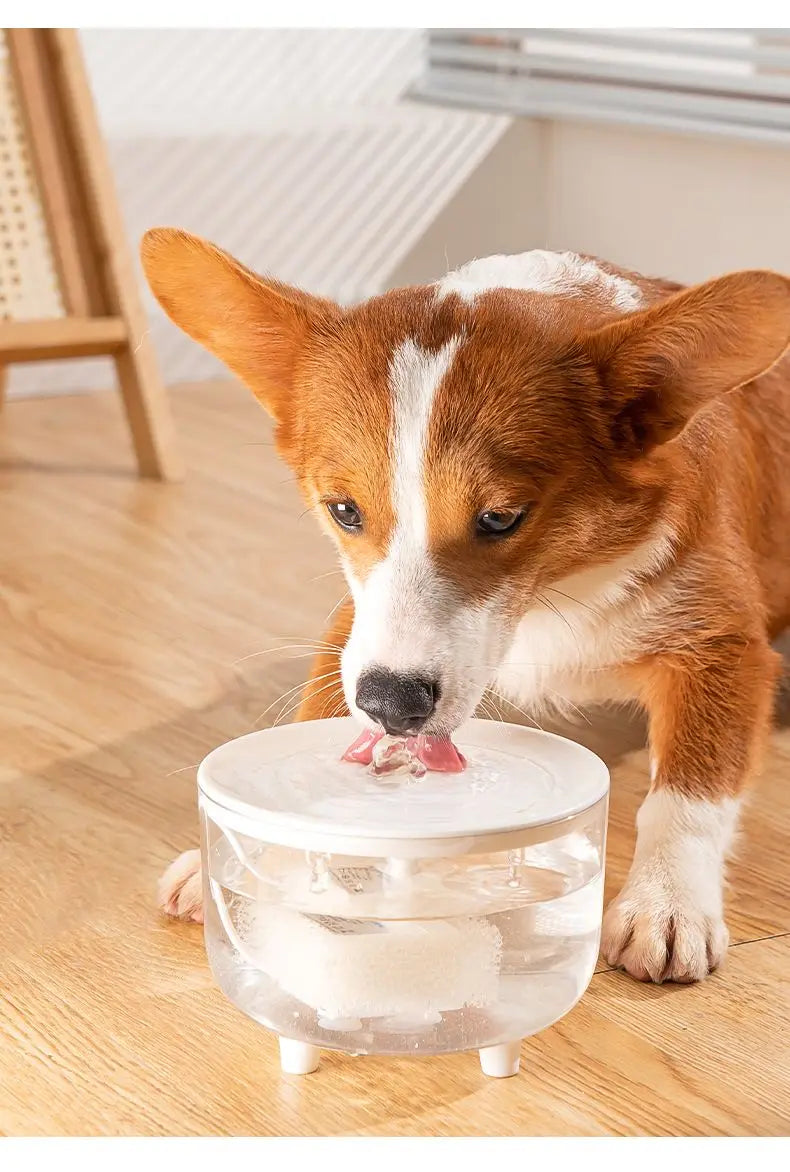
x=288, y=785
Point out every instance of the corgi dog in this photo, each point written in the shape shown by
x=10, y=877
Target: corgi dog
x=550, y=476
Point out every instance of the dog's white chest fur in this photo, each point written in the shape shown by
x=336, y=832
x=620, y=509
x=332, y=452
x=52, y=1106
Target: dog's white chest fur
x=566, y=648
x=563, y=661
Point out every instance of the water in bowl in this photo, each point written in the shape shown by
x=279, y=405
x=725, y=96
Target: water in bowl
x=396, y=956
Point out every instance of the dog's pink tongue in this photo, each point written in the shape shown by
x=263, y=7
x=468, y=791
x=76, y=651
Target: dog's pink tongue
x=361, y=750
x=436, y=753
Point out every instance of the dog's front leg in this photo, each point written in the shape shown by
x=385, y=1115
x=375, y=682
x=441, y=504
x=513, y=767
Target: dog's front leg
x=709, y=715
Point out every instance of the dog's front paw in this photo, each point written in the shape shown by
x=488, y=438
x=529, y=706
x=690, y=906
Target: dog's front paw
x=657, y=932
x=181, y=888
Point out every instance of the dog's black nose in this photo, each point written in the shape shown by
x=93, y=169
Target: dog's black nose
x=400, y=704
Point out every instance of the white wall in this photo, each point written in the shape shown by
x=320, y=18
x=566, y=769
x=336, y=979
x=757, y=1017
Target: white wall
x=680, y=206
x=500, y=208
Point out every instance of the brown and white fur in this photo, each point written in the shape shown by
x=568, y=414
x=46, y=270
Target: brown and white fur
x=643, y=431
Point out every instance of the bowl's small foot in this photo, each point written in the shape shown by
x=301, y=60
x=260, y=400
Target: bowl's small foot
x=501, y=1061
x=298, y=1057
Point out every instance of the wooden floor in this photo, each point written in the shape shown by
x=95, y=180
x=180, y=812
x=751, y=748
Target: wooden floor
x=124, y=608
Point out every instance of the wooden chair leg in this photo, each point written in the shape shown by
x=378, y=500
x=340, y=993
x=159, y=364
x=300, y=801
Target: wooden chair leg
x=3, y=382
x=147, y=412
x=147, y=407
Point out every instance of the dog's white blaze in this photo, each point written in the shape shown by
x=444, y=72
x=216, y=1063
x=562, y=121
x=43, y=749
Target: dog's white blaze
x=540, y=271
x=415, y=375
x=405, y=616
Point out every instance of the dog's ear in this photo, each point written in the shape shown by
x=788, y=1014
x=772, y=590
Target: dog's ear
x=658, y=367
x=259, y=328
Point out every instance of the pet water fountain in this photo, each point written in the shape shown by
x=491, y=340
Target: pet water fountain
x=404, y=912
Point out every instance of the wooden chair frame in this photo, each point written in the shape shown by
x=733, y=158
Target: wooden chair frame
x=95, y=271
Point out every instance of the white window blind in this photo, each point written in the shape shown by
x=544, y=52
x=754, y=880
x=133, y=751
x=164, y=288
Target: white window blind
x=724, y=81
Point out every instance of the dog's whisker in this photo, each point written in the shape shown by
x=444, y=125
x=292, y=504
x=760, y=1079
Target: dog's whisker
x=517, y=707
x=490, y=708
x=288, y=693
x=482, y=706
x=288, y=647
x=547, y=602
x=326, y=574
x=302, y=655
x=513, y=663
x=298, y=695
x=283, y=715
x=499, y=714
x=563, y=700
x=309, y=641
x=337, y=708
x=337, y=605
x=592, y=609
x=303, y=641
x=336, y=703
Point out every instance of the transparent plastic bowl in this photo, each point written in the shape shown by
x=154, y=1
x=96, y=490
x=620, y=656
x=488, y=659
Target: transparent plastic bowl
x=391, y=915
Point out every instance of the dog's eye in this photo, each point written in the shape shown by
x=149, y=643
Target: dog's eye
x=499, y=522
x=346, y=514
